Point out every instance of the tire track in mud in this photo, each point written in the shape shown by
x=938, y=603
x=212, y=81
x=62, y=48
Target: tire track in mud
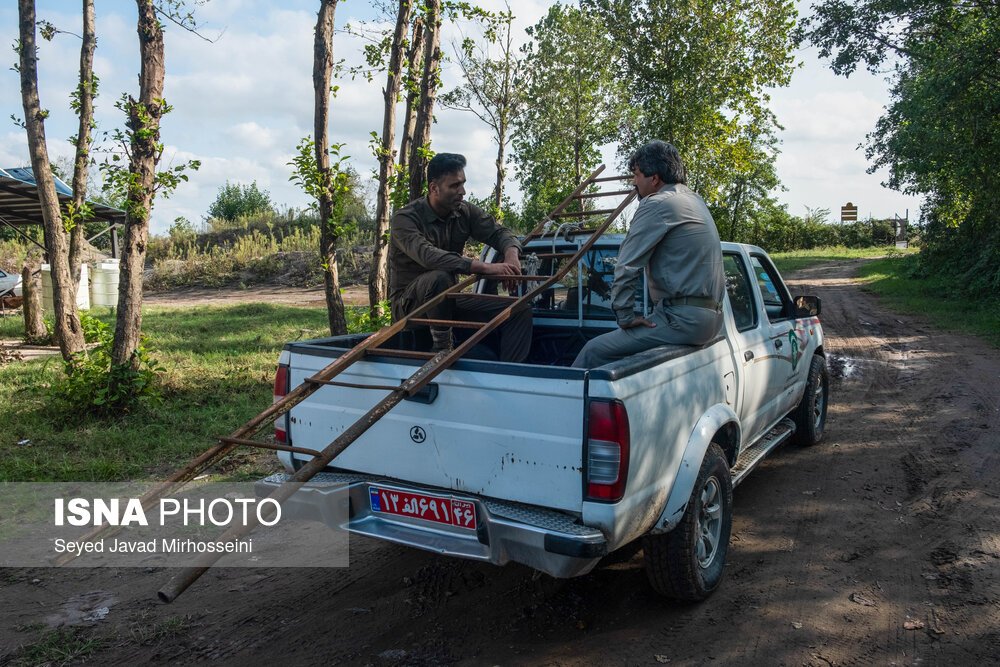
x=928, y=379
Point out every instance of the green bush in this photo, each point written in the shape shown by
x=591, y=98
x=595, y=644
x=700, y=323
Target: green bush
x=359, y=319
x=93, y=385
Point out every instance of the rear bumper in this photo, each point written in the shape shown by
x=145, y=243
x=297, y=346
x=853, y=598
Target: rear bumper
x=543, y=539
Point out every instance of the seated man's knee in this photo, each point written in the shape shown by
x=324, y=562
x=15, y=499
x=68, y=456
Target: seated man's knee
x=440, y=280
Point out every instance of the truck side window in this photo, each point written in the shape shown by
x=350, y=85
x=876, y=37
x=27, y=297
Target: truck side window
x=740, y=294
x=777, y=302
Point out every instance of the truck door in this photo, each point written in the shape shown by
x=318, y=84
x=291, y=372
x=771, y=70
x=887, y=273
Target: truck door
x=754, y=359
x=785, y=342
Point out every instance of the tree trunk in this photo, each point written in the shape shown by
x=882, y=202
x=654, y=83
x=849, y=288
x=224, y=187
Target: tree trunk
x=498, y=189
x=414, y=59
x=31, y=290
x=428, y=90
x=67, y=320
x=378, y=275
x=322, y=72
x=86, y=101
x=144, y=130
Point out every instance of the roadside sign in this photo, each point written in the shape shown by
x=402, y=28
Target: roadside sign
x=848, y=212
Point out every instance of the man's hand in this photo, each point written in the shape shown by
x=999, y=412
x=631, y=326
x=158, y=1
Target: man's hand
x=638, y=322
x=511, y=266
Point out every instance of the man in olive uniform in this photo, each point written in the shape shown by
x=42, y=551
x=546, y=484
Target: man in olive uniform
x=426, y=254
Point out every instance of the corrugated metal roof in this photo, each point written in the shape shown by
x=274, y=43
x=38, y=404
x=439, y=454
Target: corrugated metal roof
x=19, y=203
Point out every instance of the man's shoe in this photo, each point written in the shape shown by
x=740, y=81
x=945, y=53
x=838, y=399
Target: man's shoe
x=442, y=340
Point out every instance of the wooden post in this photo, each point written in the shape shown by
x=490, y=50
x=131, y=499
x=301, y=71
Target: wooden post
x=31, y=290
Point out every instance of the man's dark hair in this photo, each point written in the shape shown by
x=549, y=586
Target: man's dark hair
x=443, y=164
x=659, y=157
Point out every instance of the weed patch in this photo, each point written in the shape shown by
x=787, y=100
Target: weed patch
x=901, y=285
x=57, y=647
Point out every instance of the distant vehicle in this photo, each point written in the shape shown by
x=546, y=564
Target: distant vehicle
x=10, y=284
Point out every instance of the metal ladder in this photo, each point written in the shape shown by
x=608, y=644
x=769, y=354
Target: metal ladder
x=372, y=345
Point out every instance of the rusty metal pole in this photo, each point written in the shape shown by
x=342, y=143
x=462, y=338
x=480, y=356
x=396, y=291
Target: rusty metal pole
x=178, y=584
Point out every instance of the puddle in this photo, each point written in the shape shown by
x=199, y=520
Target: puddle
x=843, y=367
x=87, y=608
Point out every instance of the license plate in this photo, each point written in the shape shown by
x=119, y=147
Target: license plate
x=449, y=511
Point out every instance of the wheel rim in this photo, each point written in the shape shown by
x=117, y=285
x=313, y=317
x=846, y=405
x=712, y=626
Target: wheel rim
x=709, y=522
x=818, y=404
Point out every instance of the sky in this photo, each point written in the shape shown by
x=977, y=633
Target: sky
x=244, y=100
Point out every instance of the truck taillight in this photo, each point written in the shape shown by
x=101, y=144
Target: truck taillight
x=280, y=389
x=607, y=450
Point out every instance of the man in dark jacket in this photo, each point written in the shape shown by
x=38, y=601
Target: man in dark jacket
x=426, y=254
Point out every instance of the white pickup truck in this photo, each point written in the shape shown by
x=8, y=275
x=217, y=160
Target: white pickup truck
x=556, y=467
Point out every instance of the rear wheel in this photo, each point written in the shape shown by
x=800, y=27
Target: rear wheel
x=810, y=415
x=687, y=563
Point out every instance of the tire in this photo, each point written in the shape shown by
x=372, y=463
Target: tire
x=810, y=415
x=688, y=562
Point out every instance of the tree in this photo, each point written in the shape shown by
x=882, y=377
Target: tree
x=67, y=326
x=573, y=96
x=414, y=67
x=420, y=143
x=938, y=136
x=697, y=76
x=329, y=188
x=386, y=154
x=83, y=102
x=493, y=91
x=235, y=201
x=141, y=182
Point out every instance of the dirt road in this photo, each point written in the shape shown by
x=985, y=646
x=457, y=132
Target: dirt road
x=880, y=546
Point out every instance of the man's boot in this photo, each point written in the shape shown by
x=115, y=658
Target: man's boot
x=442, y=340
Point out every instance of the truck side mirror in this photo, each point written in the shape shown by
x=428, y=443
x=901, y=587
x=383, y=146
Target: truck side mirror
x=807, y=306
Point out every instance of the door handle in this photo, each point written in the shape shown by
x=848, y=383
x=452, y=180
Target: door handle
x=748, y=355
x=778, y=343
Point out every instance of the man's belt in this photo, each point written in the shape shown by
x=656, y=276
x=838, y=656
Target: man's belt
x=698, y=301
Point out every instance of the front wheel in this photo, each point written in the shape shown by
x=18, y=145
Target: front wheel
x=687, y=563
x=810, y=415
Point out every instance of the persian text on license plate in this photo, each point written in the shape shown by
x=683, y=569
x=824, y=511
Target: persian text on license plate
x=449, y=511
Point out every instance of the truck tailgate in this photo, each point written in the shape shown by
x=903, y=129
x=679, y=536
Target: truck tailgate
x=503, y=433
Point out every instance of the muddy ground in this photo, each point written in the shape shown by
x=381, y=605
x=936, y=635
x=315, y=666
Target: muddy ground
x=880, y=546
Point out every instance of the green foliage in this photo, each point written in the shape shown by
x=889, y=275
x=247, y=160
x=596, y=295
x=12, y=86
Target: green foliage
x=359, y=319
x=94, y=329
x=235, y=201
x=573, y=90
x=182, y=229
x=334, y=184
x=697, y=76
x=905, y=286
x=773, y=228
x=494, y=89
x=92, y=384
x=939, y=136
x=143, y=134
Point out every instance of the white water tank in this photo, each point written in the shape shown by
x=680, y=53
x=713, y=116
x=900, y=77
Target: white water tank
x=82, y=294
x=104, y=286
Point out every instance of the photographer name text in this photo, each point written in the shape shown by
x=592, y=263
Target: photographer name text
x=164, y=545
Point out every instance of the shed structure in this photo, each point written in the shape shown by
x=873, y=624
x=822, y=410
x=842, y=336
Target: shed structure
x=20, y=206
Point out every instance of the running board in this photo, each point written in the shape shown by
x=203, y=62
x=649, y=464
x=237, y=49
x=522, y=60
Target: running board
x=756, y=452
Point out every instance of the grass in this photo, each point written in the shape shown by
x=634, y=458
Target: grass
x=57, y=647
x=787, y=262
x=892, y=280
x=219, y=363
